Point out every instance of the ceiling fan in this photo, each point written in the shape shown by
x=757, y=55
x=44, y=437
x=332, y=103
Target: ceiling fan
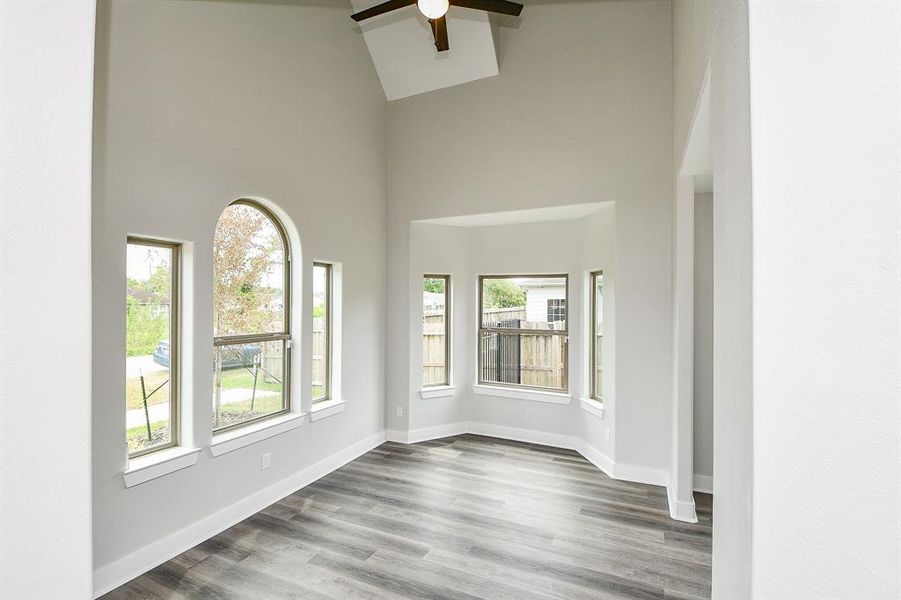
x=436, y=10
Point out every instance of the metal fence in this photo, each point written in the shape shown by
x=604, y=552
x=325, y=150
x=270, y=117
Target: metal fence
x=531, y=359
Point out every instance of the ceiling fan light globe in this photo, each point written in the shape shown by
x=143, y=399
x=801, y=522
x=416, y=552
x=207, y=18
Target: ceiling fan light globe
x=433, y=9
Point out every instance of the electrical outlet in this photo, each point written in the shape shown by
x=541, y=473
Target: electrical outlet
x=266, y=461
x=607, y=434
x=400, y=411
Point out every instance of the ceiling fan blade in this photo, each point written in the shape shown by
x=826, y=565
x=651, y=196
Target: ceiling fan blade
x=439, y=30
x=380, y=9
x=497, y=6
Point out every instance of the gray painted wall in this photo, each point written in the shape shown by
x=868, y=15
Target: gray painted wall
x=730, y=112
x=580, y=117
x=199, y=103
x=703, y=337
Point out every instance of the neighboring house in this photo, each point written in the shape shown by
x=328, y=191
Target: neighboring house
x=545, y=301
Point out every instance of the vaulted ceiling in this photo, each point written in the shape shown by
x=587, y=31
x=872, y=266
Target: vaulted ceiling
x=404, y=54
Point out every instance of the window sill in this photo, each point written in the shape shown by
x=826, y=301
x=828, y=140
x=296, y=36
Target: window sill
x=245, y=436
x=595, y=407
x=522, y=394
x=437, y=391
x=152, y=466
x=326, y=408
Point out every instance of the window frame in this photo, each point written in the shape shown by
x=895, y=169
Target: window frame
x=482, y=329
x=174, y=344
x=447, y=330
x=250, y=338
x=593, y=389
x=327, y=354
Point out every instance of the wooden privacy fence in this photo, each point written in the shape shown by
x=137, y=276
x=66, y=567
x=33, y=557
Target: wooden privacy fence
x=319, y=349
x=529, y=359
x=598, y=363
x=536, y=360
x=434, y=363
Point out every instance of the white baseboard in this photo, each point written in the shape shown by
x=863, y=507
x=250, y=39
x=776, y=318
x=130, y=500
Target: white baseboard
x=703, y=483
x=113, y=575
x=425, y=434
x=396, y=435
x=681, y=511
x=598, y=459
x=641, y=474
x=523, y=435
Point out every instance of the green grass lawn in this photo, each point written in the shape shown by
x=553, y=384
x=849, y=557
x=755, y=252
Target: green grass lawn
x=238, y=412
x=240, y=378
x=243, y=378
x=151, y=381
x=231, y=413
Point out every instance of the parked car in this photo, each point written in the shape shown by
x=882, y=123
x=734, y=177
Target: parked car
x=243, y=356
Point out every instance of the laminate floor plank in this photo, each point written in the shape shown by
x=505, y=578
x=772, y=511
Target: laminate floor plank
x=459, y=518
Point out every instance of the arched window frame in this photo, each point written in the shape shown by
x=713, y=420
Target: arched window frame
x=284, y=335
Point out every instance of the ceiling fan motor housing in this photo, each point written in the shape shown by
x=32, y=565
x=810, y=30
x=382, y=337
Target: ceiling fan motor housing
x=433, y=9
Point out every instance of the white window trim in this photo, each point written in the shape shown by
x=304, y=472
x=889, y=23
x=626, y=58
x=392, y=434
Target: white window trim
x=251, y=434
x=522, y=394
x=592, y=406
x=437, y=391
x=326, y=408
x=151, y=466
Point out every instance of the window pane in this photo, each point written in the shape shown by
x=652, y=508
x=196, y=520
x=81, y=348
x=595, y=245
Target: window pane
x=148, y=350
x=248, y=382
x=321, y=334
x=524, y=302
x=535, y=360
x=597, y=334
x=249, y=266
x=434, y=331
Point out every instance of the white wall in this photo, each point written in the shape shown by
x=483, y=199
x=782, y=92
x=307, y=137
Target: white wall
x=826, y=139
x=200, y=103
x=693, y=22
x=703, y=336
x=730, y=124
x=534, y=248
x=599, y=253
x=442, y=250
x=580, y=112
x=46, y=62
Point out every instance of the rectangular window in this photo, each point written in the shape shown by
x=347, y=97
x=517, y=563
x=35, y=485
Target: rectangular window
x=435, y=330
x=596, y=334
x=322, y=331
x=556, y=310
x=151, y=345
x=249, y=381
x=523, y=331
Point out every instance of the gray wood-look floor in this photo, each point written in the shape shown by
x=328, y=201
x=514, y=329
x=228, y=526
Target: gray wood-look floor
x=456, y=518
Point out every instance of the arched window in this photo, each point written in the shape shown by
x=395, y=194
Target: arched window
x=251, y=316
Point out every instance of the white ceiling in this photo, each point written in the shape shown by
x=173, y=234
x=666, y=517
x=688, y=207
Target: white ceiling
x=403, y=49
x=568, y=212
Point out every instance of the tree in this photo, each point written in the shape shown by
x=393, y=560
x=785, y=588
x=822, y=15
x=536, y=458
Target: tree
x=432, y=284
x=502, y=293
x=246, y=243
